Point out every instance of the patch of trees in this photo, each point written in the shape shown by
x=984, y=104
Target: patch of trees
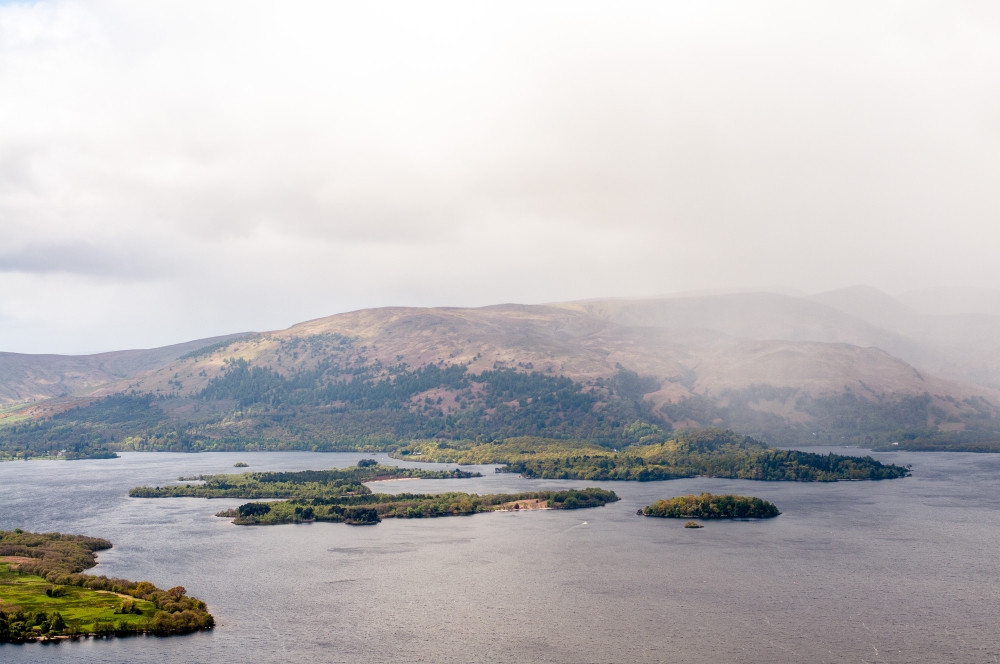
x=19, y=626
x=53, y=551
x=709, y=506
x=254, y=509
x=246, y=384
x=579, y=499
x=595, y=468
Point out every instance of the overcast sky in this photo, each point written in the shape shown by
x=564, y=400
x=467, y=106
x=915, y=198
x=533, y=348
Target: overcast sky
x=175, y=170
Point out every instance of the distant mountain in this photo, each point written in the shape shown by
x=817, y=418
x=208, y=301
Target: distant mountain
x=949, y=332
x=848, y=366
x=31, y=378
x=953, y=301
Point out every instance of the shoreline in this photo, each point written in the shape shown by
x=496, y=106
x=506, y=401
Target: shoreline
x=91, y=635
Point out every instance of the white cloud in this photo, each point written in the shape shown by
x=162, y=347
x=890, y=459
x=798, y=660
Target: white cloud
x=192, y=168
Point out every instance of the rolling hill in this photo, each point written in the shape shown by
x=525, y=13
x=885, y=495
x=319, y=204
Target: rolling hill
x=852, y=366
x=33, y=378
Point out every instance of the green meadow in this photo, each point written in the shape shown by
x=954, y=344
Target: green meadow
x=83, y=610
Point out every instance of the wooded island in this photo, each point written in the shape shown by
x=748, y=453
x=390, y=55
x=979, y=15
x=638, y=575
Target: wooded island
x=338, y=495
x=656, y=455
x=709, y=506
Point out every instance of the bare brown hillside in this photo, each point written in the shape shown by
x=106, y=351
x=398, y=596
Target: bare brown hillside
x=575, y=341
x=29, y=378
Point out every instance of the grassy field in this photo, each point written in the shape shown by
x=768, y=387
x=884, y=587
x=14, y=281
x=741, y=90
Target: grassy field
x=82, y=609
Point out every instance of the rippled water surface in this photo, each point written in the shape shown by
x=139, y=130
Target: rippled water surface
x=893, y=571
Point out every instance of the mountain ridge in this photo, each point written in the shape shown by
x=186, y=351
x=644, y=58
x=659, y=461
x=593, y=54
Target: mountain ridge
x=776, y=366
x=26, y=378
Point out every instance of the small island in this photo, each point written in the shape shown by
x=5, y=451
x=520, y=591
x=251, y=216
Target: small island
x=709, y=506
x=43, y=596
x=340, y=495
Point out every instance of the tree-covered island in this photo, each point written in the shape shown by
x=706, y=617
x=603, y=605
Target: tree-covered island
x=652, y=454
x=709, y=506
x=322, y=484
x=44, y=596
x=372, y=508
x=339, y=495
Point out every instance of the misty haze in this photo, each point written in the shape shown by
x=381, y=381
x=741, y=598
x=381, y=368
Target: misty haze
x=535, y=332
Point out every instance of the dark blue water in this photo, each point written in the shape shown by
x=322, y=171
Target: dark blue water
x=895, y=571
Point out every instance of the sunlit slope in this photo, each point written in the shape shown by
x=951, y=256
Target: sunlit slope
x=27, y=378
x=779, y=377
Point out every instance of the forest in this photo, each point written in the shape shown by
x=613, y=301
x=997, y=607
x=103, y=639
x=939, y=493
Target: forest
x=337, y=404
x=709, y=506
x=43, y=595
x=335, y=408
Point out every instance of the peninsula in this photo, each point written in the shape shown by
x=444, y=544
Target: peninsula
x=43, y=595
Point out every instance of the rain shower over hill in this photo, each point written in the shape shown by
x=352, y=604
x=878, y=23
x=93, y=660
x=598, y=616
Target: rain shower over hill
x=849, y=367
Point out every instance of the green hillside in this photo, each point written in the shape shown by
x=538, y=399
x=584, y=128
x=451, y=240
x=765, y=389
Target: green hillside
x=331, y=405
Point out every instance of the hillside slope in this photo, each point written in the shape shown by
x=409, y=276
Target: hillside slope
x=27, y=378
x=952, y=333
x=788, y=370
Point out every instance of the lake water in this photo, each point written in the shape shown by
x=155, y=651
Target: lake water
x=894, y=571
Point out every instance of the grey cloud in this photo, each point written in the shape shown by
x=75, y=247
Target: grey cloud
x=82, y=258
